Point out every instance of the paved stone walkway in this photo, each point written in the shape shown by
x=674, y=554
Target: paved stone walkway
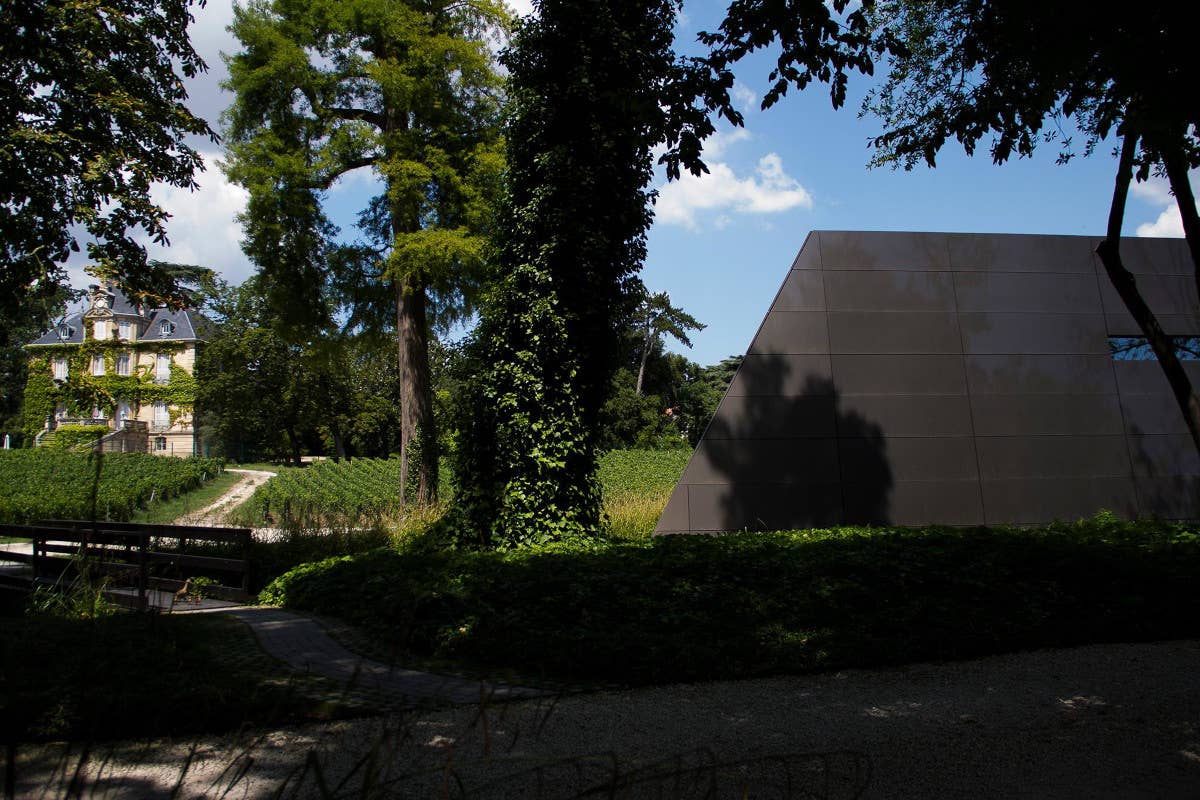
x=303, y=644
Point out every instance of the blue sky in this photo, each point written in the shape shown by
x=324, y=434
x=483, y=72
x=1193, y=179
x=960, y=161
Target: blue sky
x=721, y=245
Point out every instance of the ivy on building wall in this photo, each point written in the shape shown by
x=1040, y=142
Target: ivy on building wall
x=41, y=395
x=82, y=391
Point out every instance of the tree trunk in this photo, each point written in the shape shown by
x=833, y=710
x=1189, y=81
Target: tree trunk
x=294, y=440
x=416, y=391
x=1125, y=284
x=339, y=442
x=645, y=357
x=1177, y=174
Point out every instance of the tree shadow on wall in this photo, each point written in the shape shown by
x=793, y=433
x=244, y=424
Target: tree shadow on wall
x=782, y=453
x=1166, y=474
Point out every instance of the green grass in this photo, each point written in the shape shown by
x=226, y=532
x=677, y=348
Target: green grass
x=142, y=676
x=169, y=511
x=636, y=485
x=690, y=608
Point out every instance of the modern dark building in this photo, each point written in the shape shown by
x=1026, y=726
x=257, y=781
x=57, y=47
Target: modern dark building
x=961, y=379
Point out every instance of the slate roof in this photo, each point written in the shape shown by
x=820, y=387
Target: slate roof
x=185, y=325
x=121, y=304
x=74, y=322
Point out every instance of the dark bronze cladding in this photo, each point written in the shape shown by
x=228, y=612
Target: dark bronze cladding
x=958, y=379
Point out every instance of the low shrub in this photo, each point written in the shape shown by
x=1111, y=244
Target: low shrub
x=688, y=608
x=68, y=436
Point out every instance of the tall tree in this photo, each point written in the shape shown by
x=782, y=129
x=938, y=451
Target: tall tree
x=589, y=80
x=406, y=89
x=656, y=317
x=92, y=115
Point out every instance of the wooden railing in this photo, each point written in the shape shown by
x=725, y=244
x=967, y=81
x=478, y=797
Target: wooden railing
x=137, y=555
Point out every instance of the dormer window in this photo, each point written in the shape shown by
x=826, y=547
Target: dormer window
x=166, y=328
x=65, y=331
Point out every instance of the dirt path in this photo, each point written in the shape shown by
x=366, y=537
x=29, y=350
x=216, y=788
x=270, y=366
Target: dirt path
x=214, y=513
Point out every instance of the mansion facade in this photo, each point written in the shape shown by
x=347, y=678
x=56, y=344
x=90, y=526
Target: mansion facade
x=122, y=365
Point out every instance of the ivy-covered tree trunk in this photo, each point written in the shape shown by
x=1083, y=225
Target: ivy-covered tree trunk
x=587, y=85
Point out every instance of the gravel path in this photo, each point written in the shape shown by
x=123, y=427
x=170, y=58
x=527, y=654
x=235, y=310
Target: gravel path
x=1105, y=721
x=214, y=513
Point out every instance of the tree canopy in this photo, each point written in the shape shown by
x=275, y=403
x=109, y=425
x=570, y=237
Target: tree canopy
x=407, y=90
x=655, y=318
x=92, y=116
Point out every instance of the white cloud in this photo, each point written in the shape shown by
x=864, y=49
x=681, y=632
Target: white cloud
x=745, y=98
x=770, y=191
x=714, y=146
x=520, y=7
x=1157, y=192
x=203, y=228
x=1169, y=223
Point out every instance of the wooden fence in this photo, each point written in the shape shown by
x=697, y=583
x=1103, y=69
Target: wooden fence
x=136, y=555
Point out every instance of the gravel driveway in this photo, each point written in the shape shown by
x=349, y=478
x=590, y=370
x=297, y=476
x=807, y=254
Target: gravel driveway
x=1119, y=721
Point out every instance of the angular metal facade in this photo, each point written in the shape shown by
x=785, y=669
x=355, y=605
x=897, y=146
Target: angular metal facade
x=960, y=379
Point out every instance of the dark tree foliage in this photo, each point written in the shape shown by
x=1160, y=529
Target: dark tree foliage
x=815, y=40
x=678, y=400
x=587, y=83
x=92, y=115
x=252, y=395
x=14, y=360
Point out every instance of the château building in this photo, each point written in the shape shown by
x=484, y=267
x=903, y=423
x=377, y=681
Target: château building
x=123, y=365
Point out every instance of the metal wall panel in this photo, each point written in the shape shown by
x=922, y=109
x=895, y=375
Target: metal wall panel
x=959, y=379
